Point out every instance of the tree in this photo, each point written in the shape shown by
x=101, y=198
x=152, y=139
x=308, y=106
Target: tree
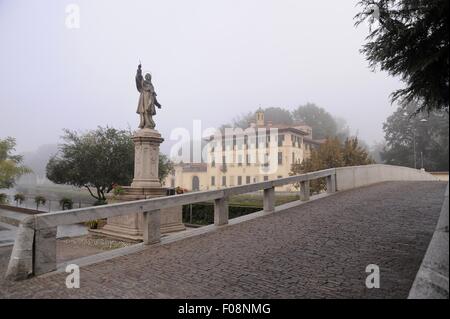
x=410, y=40
x=332, y=153
x=165, y=167
x=19, y=198
x=353, y=154
x=3, y=198
x=39, y=200
x=10, y=168
x=66, y=203
x=322, y=123
x=375, y=151
x=97, y=160
x=276, y=115
x=413, y=140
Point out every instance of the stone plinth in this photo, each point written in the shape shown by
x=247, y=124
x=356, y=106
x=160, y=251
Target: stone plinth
x=146, y=158
x=145, y=185
x=131, y=226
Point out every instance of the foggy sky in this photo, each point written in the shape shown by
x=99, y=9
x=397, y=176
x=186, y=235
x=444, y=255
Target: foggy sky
x=210, y=60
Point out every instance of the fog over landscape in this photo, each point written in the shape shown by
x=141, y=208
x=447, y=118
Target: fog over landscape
x=210, y=61
x=245, y=151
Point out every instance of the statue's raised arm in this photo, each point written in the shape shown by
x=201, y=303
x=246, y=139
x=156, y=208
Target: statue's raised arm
x=139, y=78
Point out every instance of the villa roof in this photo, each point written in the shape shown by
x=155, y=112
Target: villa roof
x=193, y=167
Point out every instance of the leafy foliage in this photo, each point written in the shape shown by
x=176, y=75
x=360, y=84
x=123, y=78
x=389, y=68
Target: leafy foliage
x=165, y=167
x=410, y=40
x=322, y=123
x=39, y=200
x=3, y=198
x=19, y=198
x=66, y=203
x=276, y=115
x=10, y=168
x=97, y=160
x=429, y=132
x=332, y=154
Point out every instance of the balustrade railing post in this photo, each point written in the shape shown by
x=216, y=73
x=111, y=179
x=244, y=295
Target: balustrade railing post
x=221, y=211
x=304, y=190
x=44, y=259
x=269, y=200
x=152, y=225
x=331, y=183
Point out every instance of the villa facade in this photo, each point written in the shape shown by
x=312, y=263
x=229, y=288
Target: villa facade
x=259, y=153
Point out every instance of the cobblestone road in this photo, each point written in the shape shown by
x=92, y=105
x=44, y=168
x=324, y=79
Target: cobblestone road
x=317, y=250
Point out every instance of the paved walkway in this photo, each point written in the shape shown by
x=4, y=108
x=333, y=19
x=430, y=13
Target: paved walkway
x=317, y=250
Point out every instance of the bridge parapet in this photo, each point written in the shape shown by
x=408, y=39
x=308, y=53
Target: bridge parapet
x=358, y=176
x=34, y=250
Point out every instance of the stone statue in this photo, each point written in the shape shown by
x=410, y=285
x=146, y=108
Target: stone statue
x=147, y=99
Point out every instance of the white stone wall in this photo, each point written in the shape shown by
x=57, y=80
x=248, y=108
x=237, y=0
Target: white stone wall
x=357, y=176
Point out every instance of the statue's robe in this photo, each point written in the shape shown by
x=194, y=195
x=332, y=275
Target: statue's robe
x=147, y=96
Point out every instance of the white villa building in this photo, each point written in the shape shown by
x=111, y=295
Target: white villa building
x=244, y=158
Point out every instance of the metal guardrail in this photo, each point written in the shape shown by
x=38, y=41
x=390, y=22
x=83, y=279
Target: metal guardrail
x=34, y=251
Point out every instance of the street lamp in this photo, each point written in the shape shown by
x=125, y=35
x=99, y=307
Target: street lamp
x=414, y=143
x=421, y=152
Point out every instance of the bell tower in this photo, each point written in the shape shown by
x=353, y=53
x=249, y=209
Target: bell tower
x=260, y=117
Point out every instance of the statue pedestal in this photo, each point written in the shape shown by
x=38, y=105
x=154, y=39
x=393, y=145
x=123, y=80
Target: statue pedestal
x=145, y=185
x=130, y=227
x=146, y=158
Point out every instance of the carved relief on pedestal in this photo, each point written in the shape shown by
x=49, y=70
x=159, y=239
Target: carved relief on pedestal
x=137, y=160
x=154, y=161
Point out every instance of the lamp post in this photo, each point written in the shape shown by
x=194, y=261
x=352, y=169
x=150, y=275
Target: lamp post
x=414, y=148
x=414, y=143
x=421, y=152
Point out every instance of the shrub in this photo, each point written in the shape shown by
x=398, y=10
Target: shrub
x=39, y=200
x=92, y=224
x=66, y=203
x=19, y=198
x=3, y=198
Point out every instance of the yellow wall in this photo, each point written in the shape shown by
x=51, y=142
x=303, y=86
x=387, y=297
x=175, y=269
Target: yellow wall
x=234, y=170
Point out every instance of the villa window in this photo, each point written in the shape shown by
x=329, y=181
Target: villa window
x=239, y=180
x=266, y=178
x=224, y=181
x=280, y=158
x=213, y=180
x=247, y=179
x=280, y=140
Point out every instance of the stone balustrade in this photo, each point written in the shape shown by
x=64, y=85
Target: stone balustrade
x=34, y=250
